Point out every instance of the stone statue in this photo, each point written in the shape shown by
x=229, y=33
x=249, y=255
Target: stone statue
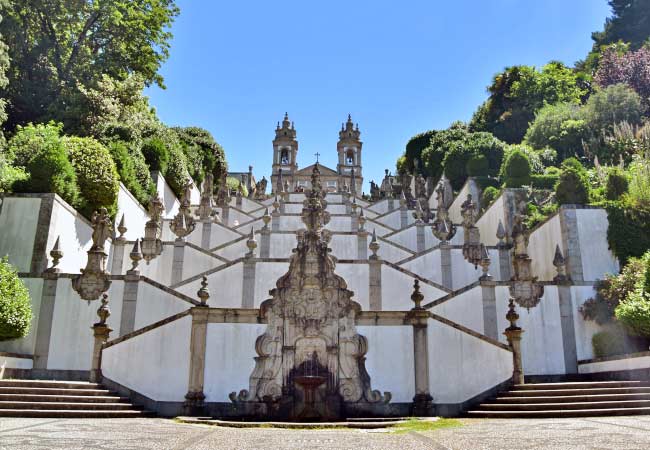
x=260, y=189
x=102, y=228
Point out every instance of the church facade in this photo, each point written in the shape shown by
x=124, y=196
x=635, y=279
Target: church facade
x=287, y=177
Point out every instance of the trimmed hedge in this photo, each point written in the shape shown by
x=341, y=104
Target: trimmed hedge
x=516, y=169
x=617, y=184
x=572, y=187
x=176, y=173
x=96, y=174
x=546, y=181
x=156, y=154
x=628, y=232
x=489, y=195
x=126, y=168
x=15, y=304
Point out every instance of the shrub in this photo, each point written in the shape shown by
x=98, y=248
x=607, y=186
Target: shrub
x=142, y=173
x=176, y=173
x=617, y=184
x=477, y=166
x=560, y=127
x=9, y=174
x=96, y=174
x=15, y=304
x=455, y=164
x=125, y=166
x=609, y=342
x=628, y=233
x=40, y=151
x=515, y=171
x=235, y=185
x=639, y=187
x=489, y=195
x=156, y=154
x=546, y=181
x=634, y=311
x=486, y=181
x=572, y=187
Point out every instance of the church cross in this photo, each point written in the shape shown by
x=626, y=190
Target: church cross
x=317, y=155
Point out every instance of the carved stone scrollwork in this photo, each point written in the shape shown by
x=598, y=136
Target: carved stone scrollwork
x=94, y=279
x=151, y=245
x=524, y=289
x=183, y=223
x=206, y=211
x=472, y=250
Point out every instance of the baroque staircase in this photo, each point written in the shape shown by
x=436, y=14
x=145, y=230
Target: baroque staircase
x=570, y=399
x=73, y=399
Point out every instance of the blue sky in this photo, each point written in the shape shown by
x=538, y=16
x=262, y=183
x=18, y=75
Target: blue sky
x=398, y=67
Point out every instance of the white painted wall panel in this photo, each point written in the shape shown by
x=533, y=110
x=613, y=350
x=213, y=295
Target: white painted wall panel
x=597, y=258
x=465, y=309
x=155, y=304
x=18, y=221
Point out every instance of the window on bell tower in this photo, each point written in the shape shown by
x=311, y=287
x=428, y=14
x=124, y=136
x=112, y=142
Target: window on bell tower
x=284, y=156
x=349, y=158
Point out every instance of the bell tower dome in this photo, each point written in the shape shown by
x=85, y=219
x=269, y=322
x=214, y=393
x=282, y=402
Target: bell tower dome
x=349, y=152
x=285, y=150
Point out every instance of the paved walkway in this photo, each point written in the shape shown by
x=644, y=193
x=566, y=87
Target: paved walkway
x=627, y=433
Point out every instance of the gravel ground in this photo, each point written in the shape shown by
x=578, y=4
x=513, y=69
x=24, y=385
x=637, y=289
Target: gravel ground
x=129, y=434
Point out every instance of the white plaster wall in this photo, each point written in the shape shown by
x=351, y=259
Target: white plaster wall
x=135, y=216
x=293, y=208
x=541, y=345
x=541, y=248
x=635, y=363
x=196, y=262
x=8, y=362
x=237, y=218
x=597, y=258
x=26, y=345
x=235, y=250
x=170, y=202
x=335, y=209
x=462, y=366
x=408, y=238
x=155, y=363
x=225, y=287
x=76, y=237
x=464, y=272
x=489, y=222
x=585, y=329
x=426, y=265
x=230, y=349
x=282, y=244
x=381, y=207
x=266, y=275
x=356, y=276
x=18, y=221
x=397, y=287
x=465, y=309
x=380, y=229
x=389, y=252
x=394, y=374
x=344, y=246
x=454, y=208
x=338, y=223
x=219, y=234
x=71, y=341
x=393, y=219
x=154, y=304
x=159, y=269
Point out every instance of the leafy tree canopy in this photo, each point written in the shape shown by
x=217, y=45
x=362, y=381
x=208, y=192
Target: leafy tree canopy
x=630, y=22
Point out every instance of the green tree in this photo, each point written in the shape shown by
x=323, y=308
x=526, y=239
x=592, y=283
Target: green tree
x=516, y=169
x=58, y=48
x=573, y=186
x=4, y=81
x=15, y=304
x=440, y=144
x=414, y=148
x=630, y=22
x=560, y=127
x=202, y=152
x=518, y=93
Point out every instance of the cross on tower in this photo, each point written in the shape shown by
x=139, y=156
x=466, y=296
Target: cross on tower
x=317, y=155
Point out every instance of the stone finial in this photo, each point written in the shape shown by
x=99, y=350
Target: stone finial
x=56, y=253
x=354, y=205
x=94, y=278
x=560, y=266
x=103, y=312
x=417, y=296
x=251, y=243
x=136, y=256
x=501, y=234
x=485, y=264
x=374, y=245
x=183, y=223
x=122, y=229
x=203, y=293
x=362, y=220
x=266, y=218
x=276, y=204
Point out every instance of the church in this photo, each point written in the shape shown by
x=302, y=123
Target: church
x=286, y=176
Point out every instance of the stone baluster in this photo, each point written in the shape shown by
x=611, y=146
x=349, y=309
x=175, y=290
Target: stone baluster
x=420, y=237
x=46, y=312
x=248, y=280
x=505, y=263
x=513, y=335
x=275, y=215
x=265, y=236
x=362, y=237
x=101, y=333
x=195, y=398
x=403, y=211
x=488, y=294
x=374, y=275
x=418, y=317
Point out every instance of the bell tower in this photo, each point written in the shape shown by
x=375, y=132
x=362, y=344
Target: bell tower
x=349, y=152
x=285, y=150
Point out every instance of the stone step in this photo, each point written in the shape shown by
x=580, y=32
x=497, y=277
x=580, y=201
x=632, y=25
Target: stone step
x=66, y=406
x=53, y=391
x=566, y=392
x=72, y=413
x=572, y=398
x=564, y=406
x=559, y=413
x=579, y=385
x=50, y=384
x=62, y=398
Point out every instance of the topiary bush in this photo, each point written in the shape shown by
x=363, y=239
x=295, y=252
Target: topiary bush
x=617, y=184
x=477, y=166
x=156, y=154
x=15, y=304
x=546, y=181
x=489, y=195
x=573, y=186
x=176, y=174
x=97, y=176
x=40, y=151
x=516, y=169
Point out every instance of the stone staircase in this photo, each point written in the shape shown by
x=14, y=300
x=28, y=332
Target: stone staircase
x=41, y=398
x=571, y=399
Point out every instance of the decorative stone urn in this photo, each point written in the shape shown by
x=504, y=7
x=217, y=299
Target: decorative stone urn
x=311, y=360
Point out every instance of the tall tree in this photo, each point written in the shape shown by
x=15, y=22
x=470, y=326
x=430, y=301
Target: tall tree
x=630, y=22
x=58, y=47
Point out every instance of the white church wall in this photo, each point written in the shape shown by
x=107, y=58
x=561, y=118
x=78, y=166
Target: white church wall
x=489, y=222
x=76, y=236
x=585, y=329
x=155, y=304
x=541, y=248
x=282, y=244
x=465, y=309
x=394, y=374
x=597, y=258
x=155, y=363
x=230, y=349
x=266, y=275
x=225, y=287
x=356, y=275
x=18, y=222
x=396, y=289
x=135, y=216
x=170, y=202
x=462, y=366
x=159, y=269
x=26, y=345
x=426, y=265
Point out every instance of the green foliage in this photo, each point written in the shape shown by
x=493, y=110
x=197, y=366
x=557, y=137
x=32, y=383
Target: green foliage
x=628, y=233
x=610, y=342
x=40, y=151
x=401, y=165
x=176, y=174
x=560, y=127
x=9, y=174
x=573, y=186
x=639, y=187
x=441, y=143
x=516, y=170
x=59, y=48
x=489, y=195
x=536, y=215
x=545, y=181
x=97, y=176
x=617, y=184
x=477, y=166
x=455, y=164
x=156, y=154
x=518, y=93
x=414, y=148
x=634, y=310
x=15, y=304
x=628, y=23
x=203, y=153
x=235, y=185
x=4, y=81
x=126, y=168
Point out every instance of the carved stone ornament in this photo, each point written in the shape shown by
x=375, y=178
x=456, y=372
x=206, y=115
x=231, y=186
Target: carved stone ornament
x=94, y=279
x=260, y=189
x=151, y=245
x=311, y=360
x=524, y=288
x=443, y=228
x=183, y=223
x=206, y=211
x=472, y=251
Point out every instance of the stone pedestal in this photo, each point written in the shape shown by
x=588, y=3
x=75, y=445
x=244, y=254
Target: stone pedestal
x=445, y=265
x=420, y=238
x=568, y=328
x=45, y=317
x=195, y=398
x=423, y=401
x=117, y=260
x=403, y=217
x=374, y=288
x=129, y=302
x=206, y=232
x=275, y=221
x=505, y=262
x=488, y=291
x=248, y=283
x=513, y=334
x=265, y=243
x=101, y=332
x=177, y=261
